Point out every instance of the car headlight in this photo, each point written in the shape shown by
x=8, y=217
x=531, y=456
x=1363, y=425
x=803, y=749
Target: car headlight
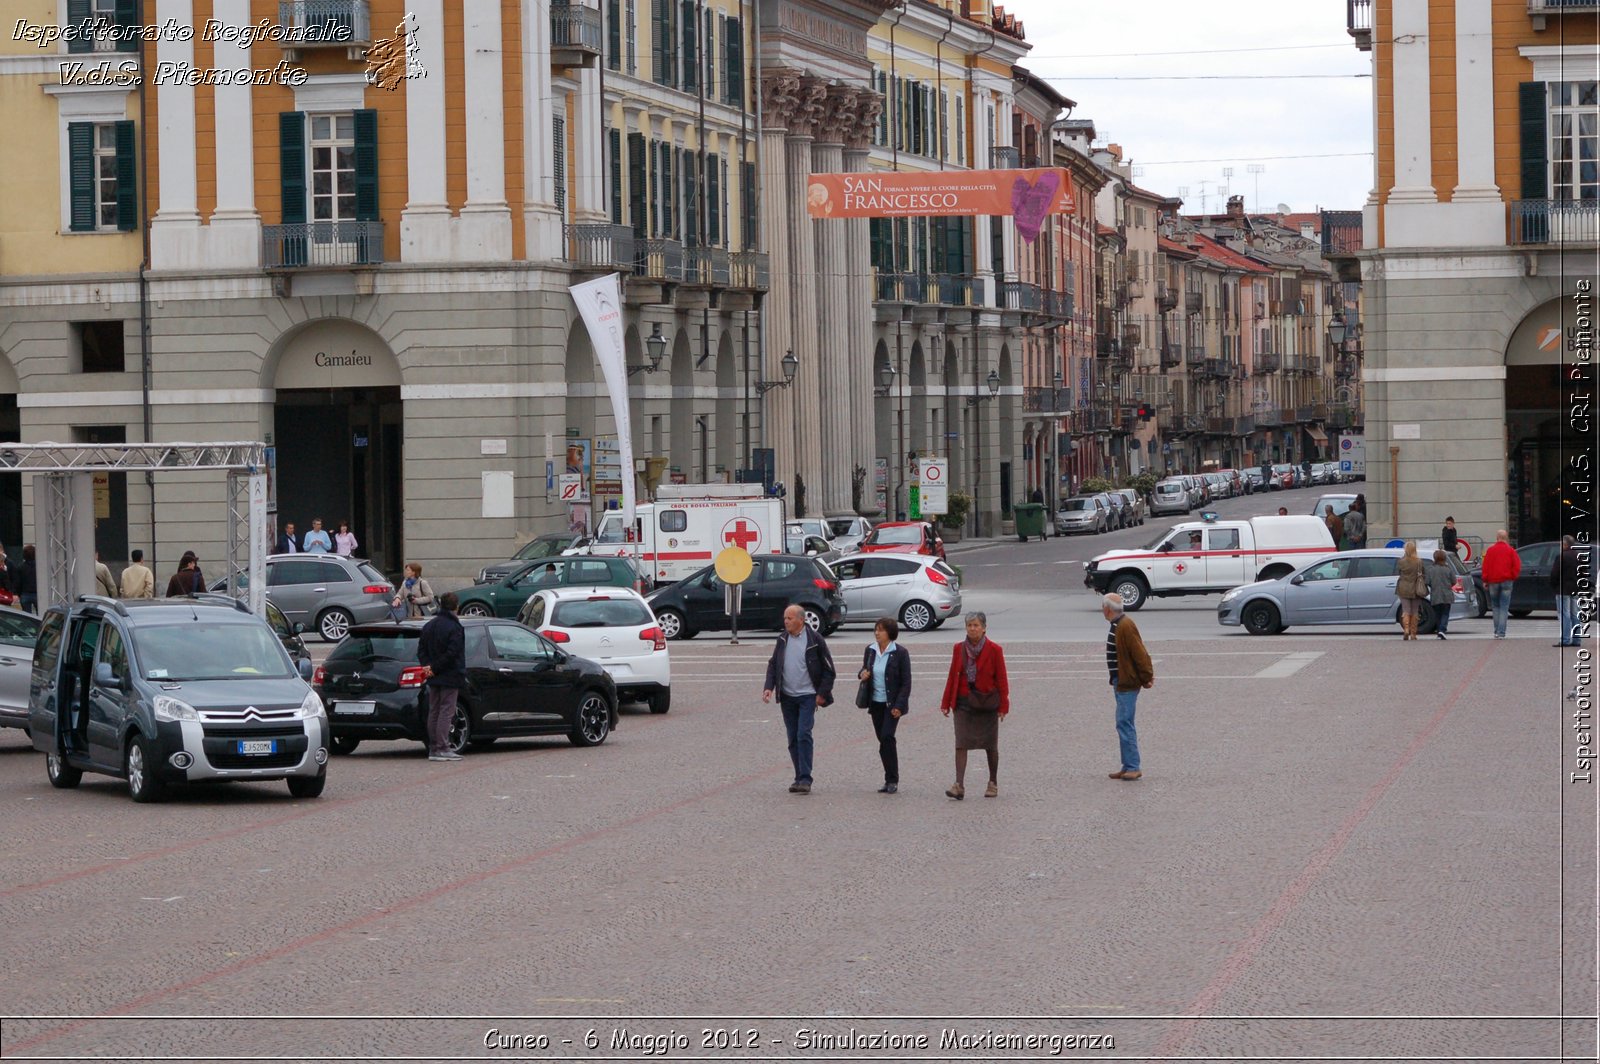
x=169, y=708
x=1231, y=595
x=483, y=576
x=1091, y=566
x=311, y=707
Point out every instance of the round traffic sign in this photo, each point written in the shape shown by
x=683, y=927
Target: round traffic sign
x=931, y=472
x=734, y=566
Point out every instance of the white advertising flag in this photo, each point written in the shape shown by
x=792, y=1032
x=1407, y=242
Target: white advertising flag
x=600, y=304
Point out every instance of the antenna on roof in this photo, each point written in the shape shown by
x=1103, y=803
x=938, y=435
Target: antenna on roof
x=1283, y=208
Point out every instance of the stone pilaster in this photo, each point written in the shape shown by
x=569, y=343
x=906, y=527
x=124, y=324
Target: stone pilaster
x=807, y=388
x=780, y=96
x=861, y=374
x=835, y=323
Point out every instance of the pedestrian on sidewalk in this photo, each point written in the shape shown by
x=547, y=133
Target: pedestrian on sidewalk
x=1441, y=590
x=188, y=580
x=344, y=541
x=442, y=653
x=1566, y=580
x=1335, y=527
x=1355, y=523
x=801, y=673
x=1447, y=535
x=318, y=541
x=1411, y=590
x=287, y=543
x=415, y=599
x=138, y=582
x=886, y=694
x=102, y=578
x=27, y=585
x=1501, y=567
x=1129, y=665
x=978, y=692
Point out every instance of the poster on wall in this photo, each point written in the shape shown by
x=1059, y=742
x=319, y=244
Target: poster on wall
x=579, y=462
x=607, y=467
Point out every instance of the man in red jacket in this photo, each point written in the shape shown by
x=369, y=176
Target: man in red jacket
x=1501, y=567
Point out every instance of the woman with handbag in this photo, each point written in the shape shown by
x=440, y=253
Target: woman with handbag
x=415, y=596
x=885, y=693
x=979, y=694
x=1411, y=590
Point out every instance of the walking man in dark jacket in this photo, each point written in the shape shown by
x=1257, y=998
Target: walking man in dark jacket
x=1567, y=577
x=801, y=673
x=442, y=653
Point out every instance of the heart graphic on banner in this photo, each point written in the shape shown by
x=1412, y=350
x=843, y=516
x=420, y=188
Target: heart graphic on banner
x=1031, y=202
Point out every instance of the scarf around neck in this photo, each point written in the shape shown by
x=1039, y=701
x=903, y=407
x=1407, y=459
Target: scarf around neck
x=973, y=651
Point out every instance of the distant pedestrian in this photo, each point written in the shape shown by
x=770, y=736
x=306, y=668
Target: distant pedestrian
x=801, y=673
x=188, y=580
x=8, y=579
x=1441, y=591
x=415, y=597
x=1131, y=671
x=442, y=653
x=344, y=541
x=886, y=691
x=1283, y=511
x=978, y=692
x=287, y=543
x=1355, y=524
x=102, y=578
x=1037, y=496
x=1411, y=590
x=27, y=585
x=1447, y=535
x=1568, y=576
x=1335, y=526
x=317, y=541
x=1501, y=567
x=138, y=582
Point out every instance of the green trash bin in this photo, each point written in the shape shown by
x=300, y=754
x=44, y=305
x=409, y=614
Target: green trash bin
x=1030, y=519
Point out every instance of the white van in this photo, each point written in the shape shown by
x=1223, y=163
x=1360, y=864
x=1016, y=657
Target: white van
x=688, y=525
x=1208, y=557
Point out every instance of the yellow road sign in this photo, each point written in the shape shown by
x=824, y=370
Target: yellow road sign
x=734, y=566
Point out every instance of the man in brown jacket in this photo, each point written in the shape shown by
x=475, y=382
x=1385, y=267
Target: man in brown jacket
x=1130, y=669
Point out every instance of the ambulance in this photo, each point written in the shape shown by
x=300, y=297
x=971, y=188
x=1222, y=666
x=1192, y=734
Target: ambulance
x=687, y=525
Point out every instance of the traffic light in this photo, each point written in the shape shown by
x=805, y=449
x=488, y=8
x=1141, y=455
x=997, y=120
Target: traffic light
x=1143, y=412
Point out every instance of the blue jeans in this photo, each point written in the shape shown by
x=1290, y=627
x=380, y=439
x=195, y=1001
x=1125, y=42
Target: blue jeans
x=1125, y=732
x=1500, y=604
x=1567, y=619
x=799, y=713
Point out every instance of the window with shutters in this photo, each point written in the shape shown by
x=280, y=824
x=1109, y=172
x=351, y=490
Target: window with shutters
x=944, y=126
x=630, y=35
x=614, y=150
x=689, y=29
x=1574, y=150
x=638, y=203
x=747, y=205
x=664, y=42
x=558, y=166
x=708, y=63
x=961, y=132
x=332, y=191
x=102, y=177
x=103, y=25
x=733, y=63
x=105, y=176
x=689, y=164
x=880, y=81
x=614, y=34
x=714, y=167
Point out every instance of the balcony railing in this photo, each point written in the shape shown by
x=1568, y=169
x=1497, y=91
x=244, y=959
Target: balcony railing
x=1342, y=416
x=1022, y=296
x=954, y=290
x=1538, y=10
x=1194, y=300
x=1215, y=367
x=658, y=260
x=1131, y=335
x=1358, y=22
x=1555, y=221
x=310, y=245
x=324, y=23
x=1197, y=354
x=1345, y=368
x=1057, y=305
x=1105, y=346
x=600, y=246
x=706, y=267
x=1005, y=158
x=901, y=287
x=1171, y=356
x=1341, y=232
x=1044, y=400
x=1270, y=417
x=576, y=34
x=1166, y=297
x=1304, y=415
x=749, y=271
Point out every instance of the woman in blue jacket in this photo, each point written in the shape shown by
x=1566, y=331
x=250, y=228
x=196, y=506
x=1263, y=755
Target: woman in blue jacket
x=886, y=694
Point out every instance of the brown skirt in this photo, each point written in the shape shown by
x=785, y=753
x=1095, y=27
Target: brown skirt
x=976, y=730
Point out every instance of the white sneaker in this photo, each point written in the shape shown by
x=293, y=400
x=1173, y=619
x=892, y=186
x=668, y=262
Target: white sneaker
x=451, y=755
x=437, y=757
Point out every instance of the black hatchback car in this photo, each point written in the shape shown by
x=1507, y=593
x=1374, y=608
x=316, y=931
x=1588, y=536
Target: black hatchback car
x=697, y=603
x=518, y=684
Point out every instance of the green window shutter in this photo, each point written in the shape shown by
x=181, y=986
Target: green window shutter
x=714, y=202
x=658, y=44
x=655, y=188
x=78, y=19
x=689, y=169
x=366, y=165
x=708, y=44
x=725, y=204
x=127, y=19
x=127, y=178
x=944, y=125
x=638, y=211
x=747, y=204
x=614, y=146
x=80, y=176
x=669, y=40
x=689, y=33
x=292, y=166
x=558, y=139
x=614, y=34
x=937, y=230
x=733, y=65
x=1532, y=115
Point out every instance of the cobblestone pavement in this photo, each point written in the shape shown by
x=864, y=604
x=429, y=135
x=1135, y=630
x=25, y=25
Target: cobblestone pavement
x=1339, y=836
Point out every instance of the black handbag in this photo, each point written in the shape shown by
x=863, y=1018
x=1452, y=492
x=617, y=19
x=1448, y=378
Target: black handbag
x=864, y=692
x=983, y=701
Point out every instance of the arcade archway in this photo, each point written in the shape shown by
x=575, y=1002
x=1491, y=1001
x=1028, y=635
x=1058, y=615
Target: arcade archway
x=1534, y=424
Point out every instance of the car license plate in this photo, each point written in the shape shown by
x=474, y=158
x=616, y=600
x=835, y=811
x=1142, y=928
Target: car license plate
x=258, y=746
x=355, y=707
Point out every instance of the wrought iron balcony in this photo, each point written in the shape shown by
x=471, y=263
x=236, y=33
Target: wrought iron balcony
x=576, y=35
x=1196, y=354
x=1220, y=426
x=749, y=271
x=1358, y=22
x=658, y=260
x=1166, y=296
x=1345, y=368
x=599, y=246
x=1057, y=305
x=324, y=23
x=1342, y=416
x=1555, y=222
x=314, y=245
x=1106, y=345
x=1131, y=335
x=1215, y=368
x=1005, y=158
x=1539, y=10
x=1044, y=400
x=1304, y=415
x=1270, y=417
x=954, y=290
x=706, y=268
x=1194, y=300
x=901, y=287
x=1022, y=296
x=1341, y=233
x=1171, y=356
x=1267, y=363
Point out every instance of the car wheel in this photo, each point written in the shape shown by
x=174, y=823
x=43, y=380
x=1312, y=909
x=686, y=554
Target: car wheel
x=344, y=745
x=813, y=619
x=60, y=773
x=308, y=786
x=672, y=624
x=916, y=616
x=1427, y=618
x=1520, y=613
x=460, y=729
x=1480, y=601
x=1132, y=590
x=334, y=624
x=141, y=763
x=593, y=723
x=474, y=609
x=1260, y=618
x=660, y=701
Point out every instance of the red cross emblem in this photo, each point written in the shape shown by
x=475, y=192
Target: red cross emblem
x=740, y=533
x=1179, y=567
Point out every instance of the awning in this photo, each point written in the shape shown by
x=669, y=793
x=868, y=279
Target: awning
x=1317, y=434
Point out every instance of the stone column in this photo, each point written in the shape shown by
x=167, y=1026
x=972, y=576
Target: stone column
x=835, y=354
x=235, y=224
x=779, y=98
x=485, y=222
x=861, y=373
x=175, y=229
x=425, y=222
x=807, y=388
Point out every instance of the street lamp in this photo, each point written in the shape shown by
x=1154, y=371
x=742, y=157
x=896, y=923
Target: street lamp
x=886, y=376
x=993, y=381
x=1336, y=329
x=789, y=364
x=657, y=343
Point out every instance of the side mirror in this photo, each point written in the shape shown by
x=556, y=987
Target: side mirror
x=1165, y=547
x=1299, y=579
x=104, y=677
x=307, y=670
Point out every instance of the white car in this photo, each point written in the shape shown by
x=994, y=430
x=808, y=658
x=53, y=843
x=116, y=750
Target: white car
x=846, y=531
x=613, y=627
x=918, y=591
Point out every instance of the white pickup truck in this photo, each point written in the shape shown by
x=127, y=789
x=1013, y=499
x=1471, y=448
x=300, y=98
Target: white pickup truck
x=1208, y=557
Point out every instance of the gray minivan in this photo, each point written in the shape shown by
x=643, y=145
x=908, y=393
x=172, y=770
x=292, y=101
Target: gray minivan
x=165, y=692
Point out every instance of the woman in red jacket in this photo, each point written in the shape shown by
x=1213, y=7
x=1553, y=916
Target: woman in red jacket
x=979, y=694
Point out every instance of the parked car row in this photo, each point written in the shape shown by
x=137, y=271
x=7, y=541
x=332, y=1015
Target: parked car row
x=1104, y=511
